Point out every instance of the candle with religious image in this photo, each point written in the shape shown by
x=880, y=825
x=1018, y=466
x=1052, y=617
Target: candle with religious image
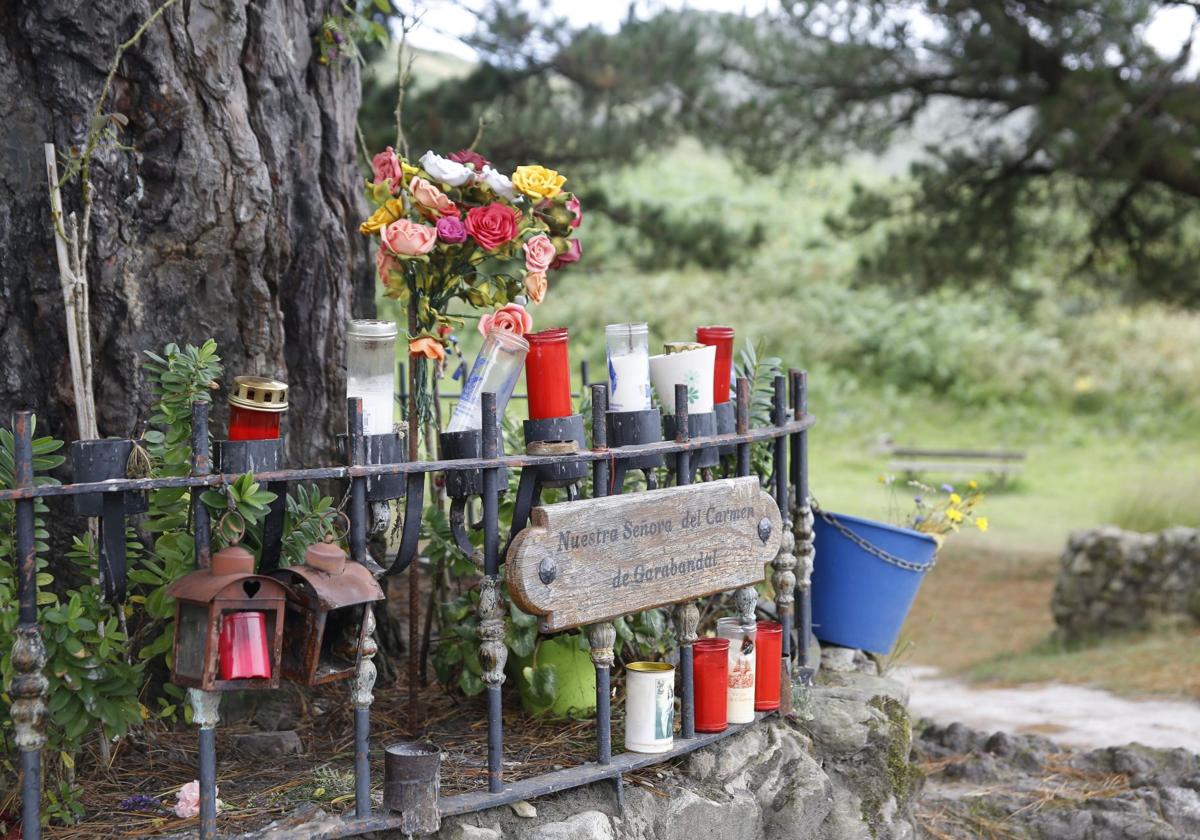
x=741, y=668
x=649, y=707
x=628, y=366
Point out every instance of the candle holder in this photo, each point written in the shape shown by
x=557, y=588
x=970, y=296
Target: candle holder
x=634, y=428
x=649, y=707
x=554, y=430
x=496, y=370
x=411, y=785
x=726, y=415
x=461, y=446
x=628, y=347
x=710, y=667
x=103, y=460
x=699, y=426
x=235, y=457
x=768, y=650
x=389, y=448
x=371, y=373
x=548, y=376
x=256, y=407
x=742, y=663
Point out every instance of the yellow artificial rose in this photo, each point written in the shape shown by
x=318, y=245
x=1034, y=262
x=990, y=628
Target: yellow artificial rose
x=384, y=216
x=538, y=181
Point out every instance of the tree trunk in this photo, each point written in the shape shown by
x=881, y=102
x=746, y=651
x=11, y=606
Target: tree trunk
x=231, y=211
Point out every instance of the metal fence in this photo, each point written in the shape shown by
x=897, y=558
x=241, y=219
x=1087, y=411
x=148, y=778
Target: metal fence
x=787, y=432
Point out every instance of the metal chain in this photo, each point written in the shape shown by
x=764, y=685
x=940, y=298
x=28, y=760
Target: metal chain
x=868, y=547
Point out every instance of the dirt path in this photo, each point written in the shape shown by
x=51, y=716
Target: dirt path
x=1080, y=717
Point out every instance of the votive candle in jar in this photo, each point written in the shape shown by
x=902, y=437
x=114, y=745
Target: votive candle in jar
x=722, y=339
x=244, y=651
x=768, y=648
x=628, y=366
x=649, y=707
x=741, y=668
x=710, y=681
x=371, y=372
x=256, y=406
x=496, y=369
x=548, y=374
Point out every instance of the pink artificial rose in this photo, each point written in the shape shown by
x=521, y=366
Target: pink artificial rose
x=576, y=210
x=187, y=802
x=571, y=255
x=385, y=263
x=409, y=239
x=493, y=224
x=511, y=318
x=431, y=198
x=539, y=253
x=535, y=285
x=386, y=166
x=451, y=231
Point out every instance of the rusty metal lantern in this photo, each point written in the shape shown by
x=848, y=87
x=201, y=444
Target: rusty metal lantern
x=206, y=602
x=328, y=596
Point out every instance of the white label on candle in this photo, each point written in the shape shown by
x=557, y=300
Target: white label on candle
x=376, y=394
x=629, y=382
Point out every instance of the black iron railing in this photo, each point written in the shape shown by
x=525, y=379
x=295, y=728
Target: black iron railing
x=787, y=431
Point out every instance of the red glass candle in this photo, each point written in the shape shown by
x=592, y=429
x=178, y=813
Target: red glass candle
x=768, y=652
x=548, y=374
x=244, y=651
x=710, y=675
x=256, y=405
x=722, y=339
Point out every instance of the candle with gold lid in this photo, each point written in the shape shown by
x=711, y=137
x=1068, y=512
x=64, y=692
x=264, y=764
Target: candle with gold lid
x=256, y=405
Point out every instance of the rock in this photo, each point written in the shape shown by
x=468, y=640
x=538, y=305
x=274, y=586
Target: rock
x=840, y=660
x=1113, y=581
x=466, y=831
x=523, y=809
x=1035, y=788
x=690, y=816
x=589, y=825
x=268, y=744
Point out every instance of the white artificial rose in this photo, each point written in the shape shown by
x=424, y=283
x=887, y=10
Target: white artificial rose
x=498, y=182
x=446, y=171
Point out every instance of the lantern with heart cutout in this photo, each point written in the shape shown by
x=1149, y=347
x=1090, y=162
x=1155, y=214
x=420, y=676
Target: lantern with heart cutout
x=228, y=625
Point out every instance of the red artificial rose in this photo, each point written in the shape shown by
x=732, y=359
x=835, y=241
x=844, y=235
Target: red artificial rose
x=465, y=156
x=492, y=225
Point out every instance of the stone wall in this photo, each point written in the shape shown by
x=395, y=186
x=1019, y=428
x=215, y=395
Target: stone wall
x=1113, y=581
x=843, y=772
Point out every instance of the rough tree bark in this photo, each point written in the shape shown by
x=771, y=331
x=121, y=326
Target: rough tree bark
x=231, y=215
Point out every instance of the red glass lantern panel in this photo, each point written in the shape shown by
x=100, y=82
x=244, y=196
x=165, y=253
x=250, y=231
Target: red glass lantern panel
x=244, y=651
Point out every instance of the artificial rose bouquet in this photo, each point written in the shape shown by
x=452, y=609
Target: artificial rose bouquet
x=455, y=227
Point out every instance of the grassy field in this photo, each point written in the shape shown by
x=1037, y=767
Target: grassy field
x=1101, y=397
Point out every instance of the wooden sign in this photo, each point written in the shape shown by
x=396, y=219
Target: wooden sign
x=597, y=559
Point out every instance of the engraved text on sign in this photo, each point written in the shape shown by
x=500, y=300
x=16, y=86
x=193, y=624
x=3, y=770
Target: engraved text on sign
x=596, y=559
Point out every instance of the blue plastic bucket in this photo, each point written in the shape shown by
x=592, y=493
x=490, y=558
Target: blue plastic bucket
x=860, y=598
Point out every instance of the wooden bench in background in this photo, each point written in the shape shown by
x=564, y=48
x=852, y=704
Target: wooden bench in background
x=956, y=463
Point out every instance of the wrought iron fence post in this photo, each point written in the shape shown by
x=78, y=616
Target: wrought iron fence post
x=29, y=685
x=201, y=465
x=601, y=637
x=784, y=564
x=746, y=598
x=802, y=525
x=492, y=651
x=687, y=616
x=363, y=684
x=205, y=704
x=206, y=714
